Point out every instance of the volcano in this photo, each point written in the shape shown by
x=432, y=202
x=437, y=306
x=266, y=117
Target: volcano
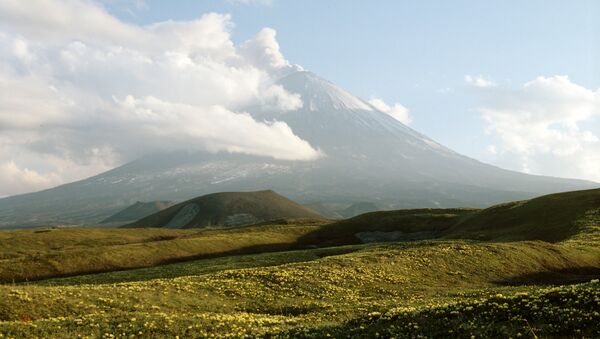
x=368, y=157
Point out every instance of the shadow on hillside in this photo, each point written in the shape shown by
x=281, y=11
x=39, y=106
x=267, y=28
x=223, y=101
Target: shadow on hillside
x=291, y=251
x=319, y=252
x=556, y=277
x=385, y=226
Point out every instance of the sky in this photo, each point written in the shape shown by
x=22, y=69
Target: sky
x=88, y=85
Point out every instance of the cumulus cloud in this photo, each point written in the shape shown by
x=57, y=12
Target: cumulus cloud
x=263, y=51
x=14, y=179
x=173, y=125
x=57, y=21
x=397, y=111
x=541, y=127
x=479, y=81
x=88, y=92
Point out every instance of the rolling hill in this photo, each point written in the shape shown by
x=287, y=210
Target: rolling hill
x=228, y=209
x=552, y=218
x=271, y=280
x=571, y=218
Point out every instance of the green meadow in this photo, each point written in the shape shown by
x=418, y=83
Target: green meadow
x=527, y=269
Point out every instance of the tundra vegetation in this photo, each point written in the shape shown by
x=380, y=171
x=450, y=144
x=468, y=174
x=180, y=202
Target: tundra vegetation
x=523, y=269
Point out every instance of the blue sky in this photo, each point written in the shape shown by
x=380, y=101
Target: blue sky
x=511, y=83
x=417, y=53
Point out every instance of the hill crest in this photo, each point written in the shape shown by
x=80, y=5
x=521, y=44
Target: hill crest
x=227, y=209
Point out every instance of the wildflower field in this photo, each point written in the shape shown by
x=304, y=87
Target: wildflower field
x=529, y=288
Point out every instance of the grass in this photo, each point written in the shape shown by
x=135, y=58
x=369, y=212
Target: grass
x=434, y=221
x=330, y=291
x=46, y=253
x=516, y=282
x=202, y=266
x=552, y=218
x=40, y=254
x=564, y=311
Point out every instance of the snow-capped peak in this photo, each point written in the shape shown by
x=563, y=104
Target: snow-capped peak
x=318, y=94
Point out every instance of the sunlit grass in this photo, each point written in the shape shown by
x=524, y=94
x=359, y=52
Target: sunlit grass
x=274, y=280
x=333, y=291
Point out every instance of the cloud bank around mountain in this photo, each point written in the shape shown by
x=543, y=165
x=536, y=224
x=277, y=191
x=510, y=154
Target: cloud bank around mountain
x=84, y=92
x=540, y=126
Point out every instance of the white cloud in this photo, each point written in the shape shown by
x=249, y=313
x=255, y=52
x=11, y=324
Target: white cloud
x=57, y=21
x=131, y=7
x=276, y=97
x=167, y=125
x=14, y=180
x=397, y=111
x=88, y=91
x=263, y=52
x=479, y=81
x=542, y=127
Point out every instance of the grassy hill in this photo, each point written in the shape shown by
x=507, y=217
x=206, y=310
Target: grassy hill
x=524, y=269
x=227, y=209
x=46, y=253
x=138, y=211
x=339, y=294
x=427, y=222
x=552, y=218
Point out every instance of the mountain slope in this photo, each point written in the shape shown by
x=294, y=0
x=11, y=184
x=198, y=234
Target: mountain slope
x=369, y=157
x=228, y=209
x=352, y=132
x=137, y=211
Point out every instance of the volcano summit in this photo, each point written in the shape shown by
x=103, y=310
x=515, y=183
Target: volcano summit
x=367, y=156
